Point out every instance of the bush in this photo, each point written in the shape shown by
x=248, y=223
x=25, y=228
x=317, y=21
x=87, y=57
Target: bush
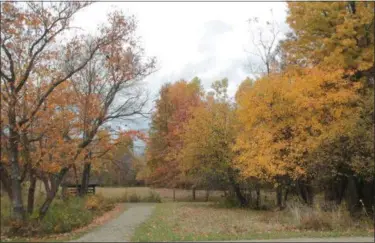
x=230, y=202
x=153, y=197
x=65, y=216
x=133, y=197
x=92, y=203
x=62, y=216
x=98, y=203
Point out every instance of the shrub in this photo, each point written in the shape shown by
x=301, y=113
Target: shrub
x=229, y=202
x=133, y=197
x=153, y=197
x=65, y=216
x=92, y=203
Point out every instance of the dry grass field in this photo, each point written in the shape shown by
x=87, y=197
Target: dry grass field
x=188, y=221
x=165, y=194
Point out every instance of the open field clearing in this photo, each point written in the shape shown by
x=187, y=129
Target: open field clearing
x=208, y=221
x=165, y=194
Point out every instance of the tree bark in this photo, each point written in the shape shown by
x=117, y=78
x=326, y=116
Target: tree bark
x=286, y=196
x=5, y=181
x=352, y=197
x=310, y=194
x=237, y=189
x=52, y=193
x=301, y=191
x=18, y=212
x=257, y=204
x=193, y=193
x=85, y=179
x=31, y=194
x=279, y=197
x=306, y=192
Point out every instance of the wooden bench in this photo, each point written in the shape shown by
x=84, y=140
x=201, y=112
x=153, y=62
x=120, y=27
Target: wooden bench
x=73, y=189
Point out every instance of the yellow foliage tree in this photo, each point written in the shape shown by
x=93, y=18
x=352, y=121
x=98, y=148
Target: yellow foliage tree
x=285, y=117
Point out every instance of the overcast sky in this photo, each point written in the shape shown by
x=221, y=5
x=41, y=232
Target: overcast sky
x=203, y=39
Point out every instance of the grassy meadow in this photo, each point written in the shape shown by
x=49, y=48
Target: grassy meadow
x=187, y=221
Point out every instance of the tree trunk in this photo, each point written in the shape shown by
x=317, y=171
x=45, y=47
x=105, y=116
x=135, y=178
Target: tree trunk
x=237, y=189
x=18, y=211
x=279, y=197
x=257, y=189
x=351, y=196
x=286, y=196
x=193, y=193
x=174, y=194
x=5, y=181
x=31, y=195
x=301, y=191
x=306, y=192
x=207, y=194
x=310, y=194
x=52, y=193
x=85, y=179
x=239, y=195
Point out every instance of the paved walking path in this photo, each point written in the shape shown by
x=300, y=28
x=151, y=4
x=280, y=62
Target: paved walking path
x=121, y=228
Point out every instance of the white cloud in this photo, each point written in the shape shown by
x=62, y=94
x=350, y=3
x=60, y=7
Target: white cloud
x=204, y=39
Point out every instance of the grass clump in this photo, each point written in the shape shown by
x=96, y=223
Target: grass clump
x=315, y=218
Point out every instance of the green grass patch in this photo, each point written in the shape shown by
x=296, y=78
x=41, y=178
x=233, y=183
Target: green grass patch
x=62, y=216
x=205, y=221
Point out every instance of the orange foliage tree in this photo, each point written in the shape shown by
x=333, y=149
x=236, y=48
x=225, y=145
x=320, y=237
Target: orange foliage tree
x=172, y=111
x=34, y=65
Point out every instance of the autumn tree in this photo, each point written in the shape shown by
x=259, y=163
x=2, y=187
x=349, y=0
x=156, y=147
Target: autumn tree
x=172, y=111
x=109, y=86
x=31, y=55
x=339, y=36
x=207, y=138
x=286, y=117
x=332, y=35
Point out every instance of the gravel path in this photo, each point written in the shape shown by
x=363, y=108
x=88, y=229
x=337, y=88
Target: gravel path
x=121, y=228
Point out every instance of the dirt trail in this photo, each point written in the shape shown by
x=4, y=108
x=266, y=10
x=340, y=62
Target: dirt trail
x=121, y=228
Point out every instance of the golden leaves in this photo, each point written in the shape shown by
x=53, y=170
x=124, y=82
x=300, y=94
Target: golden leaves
x=281, y=121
